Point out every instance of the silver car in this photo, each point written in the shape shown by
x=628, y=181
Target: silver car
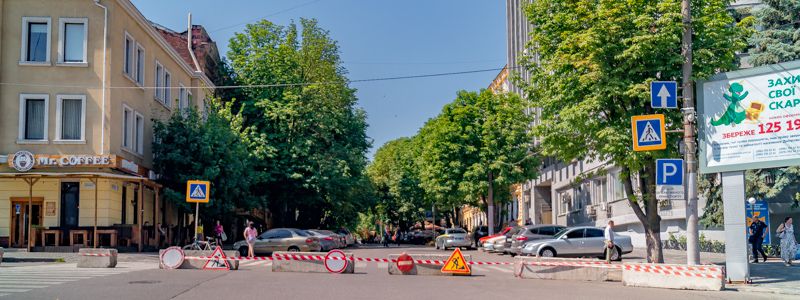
x=452, y=238
x=488, y=245
x=531, y=233
x=583, y=241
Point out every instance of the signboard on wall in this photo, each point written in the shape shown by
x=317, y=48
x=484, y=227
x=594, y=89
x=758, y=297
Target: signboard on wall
x=50, y=209
x=750, y=119
x=23, y=161
x=759, y=210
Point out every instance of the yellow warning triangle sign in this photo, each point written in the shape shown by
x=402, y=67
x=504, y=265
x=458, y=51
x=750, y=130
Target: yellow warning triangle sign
x=456, y=264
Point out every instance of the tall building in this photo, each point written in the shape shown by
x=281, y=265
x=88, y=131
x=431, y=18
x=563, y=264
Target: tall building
x=82, y=82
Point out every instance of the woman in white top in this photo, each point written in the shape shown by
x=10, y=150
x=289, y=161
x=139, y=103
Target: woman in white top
x=788, y=242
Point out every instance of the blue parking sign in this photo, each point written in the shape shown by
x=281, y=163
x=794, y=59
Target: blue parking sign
x=669, y=172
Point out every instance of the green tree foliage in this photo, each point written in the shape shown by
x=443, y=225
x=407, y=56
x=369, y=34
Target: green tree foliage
x=475, y=149
x=395, y=176
x=596, y=60
x=186, y=147
x=308, y=138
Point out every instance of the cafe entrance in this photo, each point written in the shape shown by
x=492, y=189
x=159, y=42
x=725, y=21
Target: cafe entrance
x=19, y=219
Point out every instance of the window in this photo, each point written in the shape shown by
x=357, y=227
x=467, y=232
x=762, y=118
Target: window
x=139, y=134
x=183, y=98
x=127, y=127
x=35, y=40
x=71, y=116
x=599, y=191
x=33, y=114
x=619, y=188
x=549, y=230
x=139, y=64
x=72, y=40
x=127, y=68
x=157, y=80
x=167, y=85
x=281, y=234
x=575, y=234
x=594, y=233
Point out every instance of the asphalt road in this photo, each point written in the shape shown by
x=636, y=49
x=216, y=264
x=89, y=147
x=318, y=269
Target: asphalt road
x=142, y=280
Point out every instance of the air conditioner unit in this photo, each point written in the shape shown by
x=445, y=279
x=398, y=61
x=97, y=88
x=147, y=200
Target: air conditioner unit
x=591, y=211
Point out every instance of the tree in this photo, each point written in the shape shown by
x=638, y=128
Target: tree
x=395, y=176
x=186, y=147
x=475, y=149
x=595, y=62
x=308, y=137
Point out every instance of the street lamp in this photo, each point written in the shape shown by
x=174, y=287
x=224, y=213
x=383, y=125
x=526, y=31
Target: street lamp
x=752, y=202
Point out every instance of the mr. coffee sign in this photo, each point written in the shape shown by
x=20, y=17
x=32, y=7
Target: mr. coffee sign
x=750, y=119
x=23, y=161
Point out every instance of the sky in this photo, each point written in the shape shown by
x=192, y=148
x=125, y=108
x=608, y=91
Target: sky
x=377, y=39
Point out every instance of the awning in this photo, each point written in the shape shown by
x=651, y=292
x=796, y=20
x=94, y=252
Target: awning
x=87, y=175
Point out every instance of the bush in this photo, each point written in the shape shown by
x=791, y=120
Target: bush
x=679, y=243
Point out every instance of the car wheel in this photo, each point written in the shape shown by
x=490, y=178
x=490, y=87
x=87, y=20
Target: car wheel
x=294, y=249
x=547, y=252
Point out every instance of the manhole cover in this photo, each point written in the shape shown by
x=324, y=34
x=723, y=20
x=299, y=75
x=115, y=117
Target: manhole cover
x=144, y=282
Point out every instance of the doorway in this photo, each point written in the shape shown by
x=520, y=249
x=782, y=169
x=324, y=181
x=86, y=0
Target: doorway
x=19, y=219
x=70, y=201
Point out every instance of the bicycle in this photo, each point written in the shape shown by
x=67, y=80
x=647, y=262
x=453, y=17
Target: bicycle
x=209, y=245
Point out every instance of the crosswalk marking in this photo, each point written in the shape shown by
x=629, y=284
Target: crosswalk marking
x=25, y=278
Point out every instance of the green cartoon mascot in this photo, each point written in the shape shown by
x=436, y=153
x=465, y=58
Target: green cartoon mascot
x=734, y=114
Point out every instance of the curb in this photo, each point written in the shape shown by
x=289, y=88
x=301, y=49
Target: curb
x=33, y=260
x=759, y=289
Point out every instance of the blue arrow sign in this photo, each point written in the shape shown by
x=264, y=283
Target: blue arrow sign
x=664, y=94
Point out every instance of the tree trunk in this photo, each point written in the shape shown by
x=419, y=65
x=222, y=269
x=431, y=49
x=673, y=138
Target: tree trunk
x=490, y=204
x=651, y=221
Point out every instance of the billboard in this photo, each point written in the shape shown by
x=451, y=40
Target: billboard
x=750, y=119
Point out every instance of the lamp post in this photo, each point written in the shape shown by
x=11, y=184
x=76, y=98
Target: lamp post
x=752, y=202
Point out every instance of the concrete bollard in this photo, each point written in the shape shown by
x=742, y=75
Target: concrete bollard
x=1, y=255
x=564, y=269
x=97, y=258
x=302, y=265
x=425, y=269
x=200, y=263
x=683, y=277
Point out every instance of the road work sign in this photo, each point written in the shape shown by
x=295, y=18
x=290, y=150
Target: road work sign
x=648, y=132
x=456, y=264
x=669, y=179
x=218, y=261
x=664, y=94
x=197, y=191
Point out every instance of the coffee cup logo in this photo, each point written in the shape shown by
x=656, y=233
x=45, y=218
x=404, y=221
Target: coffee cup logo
x=23, y=161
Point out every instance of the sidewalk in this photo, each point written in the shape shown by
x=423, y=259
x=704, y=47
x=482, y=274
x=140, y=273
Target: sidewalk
x=12, y=255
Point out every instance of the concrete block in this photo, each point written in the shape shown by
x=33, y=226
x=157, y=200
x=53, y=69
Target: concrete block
x=425, y=269
x=200, y=263
x=682, y=277
x=107, y=260
x=525, y=267
x=307, y=266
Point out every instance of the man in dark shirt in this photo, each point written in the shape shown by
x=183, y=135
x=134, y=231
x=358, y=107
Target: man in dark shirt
x=757, y=231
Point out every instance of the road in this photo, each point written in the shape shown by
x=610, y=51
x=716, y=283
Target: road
x=143, y=280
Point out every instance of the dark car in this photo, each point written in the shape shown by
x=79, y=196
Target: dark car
x=531, y=233
x=477, y=233
x=509, y=237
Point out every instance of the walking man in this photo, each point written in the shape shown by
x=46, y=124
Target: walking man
x=609, y=237
x=757, y=231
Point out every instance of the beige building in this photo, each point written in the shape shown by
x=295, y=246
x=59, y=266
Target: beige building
x=81, y=83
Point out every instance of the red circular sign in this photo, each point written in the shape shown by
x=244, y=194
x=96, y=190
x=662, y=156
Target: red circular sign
x=405, y=263
x=172, y=257
x=336, y=261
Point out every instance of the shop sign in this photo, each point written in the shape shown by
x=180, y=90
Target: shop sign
x=23, y=161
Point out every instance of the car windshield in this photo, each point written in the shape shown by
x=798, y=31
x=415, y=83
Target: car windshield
x=560, y=233
x=302, y=233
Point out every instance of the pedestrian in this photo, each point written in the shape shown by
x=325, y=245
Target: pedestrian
x=219, y=233
x=385, y=236
x=396, y=236
x=528, y=221
x=757, y=231
x=609, y=239
x=250, y=234
x=788, y=242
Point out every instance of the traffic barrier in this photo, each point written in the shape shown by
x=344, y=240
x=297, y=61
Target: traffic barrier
x=426, y=264
x=197, y=259
x=97, y=258
x=683, y=277
x=566, y=269
x=313, y=262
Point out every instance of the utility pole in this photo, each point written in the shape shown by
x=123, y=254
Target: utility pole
x=689, y=118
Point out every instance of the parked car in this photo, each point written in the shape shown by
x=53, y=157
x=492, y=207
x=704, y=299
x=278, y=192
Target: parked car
x=582, y=241
x=422, y=237
x=452, y=238
x=281, y=239
x=506, y=244
x=486, y=238
x=532, y=233
x=349, y=239
x=489, y=245
x=477, y=233
x=328, y=240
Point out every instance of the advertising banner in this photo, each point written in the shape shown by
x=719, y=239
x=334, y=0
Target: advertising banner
x=750, y=119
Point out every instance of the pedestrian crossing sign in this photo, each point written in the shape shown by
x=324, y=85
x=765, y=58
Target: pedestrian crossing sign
x=197, y=191
x=456, y=264
x=648, y=132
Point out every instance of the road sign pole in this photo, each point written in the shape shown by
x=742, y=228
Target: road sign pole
x=196, y=214
x=692, y=233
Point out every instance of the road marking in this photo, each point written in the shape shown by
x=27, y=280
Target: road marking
x=25, y=278
x=505, y=270
x=382, y=265
x=14, y=290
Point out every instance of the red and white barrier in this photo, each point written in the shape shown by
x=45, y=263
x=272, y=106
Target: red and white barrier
x=95, y=254
x=707, y=277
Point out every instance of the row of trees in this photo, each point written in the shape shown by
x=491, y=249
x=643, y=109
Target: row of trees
x=471, y=153
x=292, y=141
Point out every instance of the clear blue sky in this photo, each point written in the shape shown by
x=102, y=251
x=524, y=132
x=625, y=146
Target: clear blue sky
x=376, y=39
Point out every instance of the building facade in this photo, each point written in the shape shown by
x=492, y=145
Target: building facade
x=82, y=84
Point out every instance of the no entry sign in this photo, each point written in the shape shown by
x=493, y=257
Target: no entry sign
x=172, y=257
x=336, y=261
x=405, y=263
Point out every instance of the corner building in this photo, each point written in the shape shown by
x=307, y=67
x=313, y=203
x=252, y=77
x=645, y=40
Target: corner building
x=82, y=83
